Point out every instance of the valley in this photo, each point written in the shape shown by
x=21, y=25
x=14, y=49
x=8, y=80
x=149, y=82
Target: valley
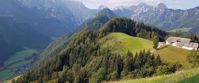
x=17, y=63
x=29, y=24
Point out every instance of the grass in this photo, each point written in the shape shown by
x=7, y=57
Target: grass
x=188, y=76
x=18, y=60
x=5, y=74
x=21, y=63
x=20, y=56
x=192, y=79
x=175, y=55
x=180, y=30
x=121, y=43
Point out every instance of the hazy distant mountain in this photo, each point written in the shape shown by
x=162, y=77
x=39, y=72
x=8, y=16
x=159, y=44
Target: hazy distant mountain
x=15, y=37
x=61, y=16
x=165, y=18
x=34, y=23
x=15, y=31
x=80, y=11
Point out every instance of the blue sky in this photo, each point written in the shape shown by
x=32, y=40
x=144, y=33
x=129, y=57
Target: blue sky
x=175, y=4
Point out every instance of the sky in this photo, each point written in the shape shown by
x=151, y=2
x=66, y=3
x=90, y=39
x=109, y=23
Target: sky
x=174, y=4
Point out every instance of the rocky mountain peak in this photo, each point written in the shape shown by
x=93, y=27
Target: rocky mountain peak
x=106, y=12
x=142, y=5
x=162, y=6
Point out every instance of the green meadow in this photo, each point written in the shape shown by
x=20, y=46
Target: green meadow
x=119, y=42
x=18, y=60
x=5, y=74
x=20, y=56
x=172, y=54
x=122, y=43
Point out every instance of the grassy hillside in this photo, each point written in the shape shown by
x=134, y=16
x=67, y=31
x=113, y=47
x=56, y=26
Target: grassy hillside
x=189, y=76
x=174, y=55
x=121, y=43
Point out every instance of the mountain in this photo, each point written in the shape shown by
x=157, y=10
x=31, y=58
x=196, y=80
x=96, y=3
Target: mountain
x=92, y=24
x=30, y=24
x=22, y=21
x=40, y=21
x=163, y=17
x=83, y=12
x=15, y=33
x=101, y=18
x=58, y=17
x=15, y=37
x=83, y=58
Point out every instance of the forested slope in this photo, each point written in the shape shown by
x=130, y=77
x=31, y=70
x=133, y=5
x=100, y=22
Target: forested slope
x=84, y=60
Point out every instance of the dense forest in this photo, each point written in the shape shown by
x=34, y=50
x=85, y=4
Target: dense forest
x=84, y=61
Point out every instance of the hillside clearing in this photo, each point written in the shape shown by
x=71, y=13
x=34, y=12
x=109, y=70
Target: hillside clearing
x=122, y=43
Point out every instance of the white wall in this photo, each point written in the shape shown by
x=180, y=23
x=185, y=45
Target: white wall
x=174, y=44
x=188, y=48
x=167, y=43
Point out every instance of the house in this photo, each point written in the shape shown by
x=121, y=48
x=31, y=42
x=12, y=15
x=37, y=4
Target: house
x=191, y=46
x=184, y=43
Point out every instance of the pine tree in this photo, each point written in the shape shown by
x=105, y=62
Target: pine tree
x=155, y=42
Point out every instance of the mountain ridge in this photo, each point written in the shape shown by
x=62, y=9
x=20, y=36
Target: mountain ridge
x=163, y=17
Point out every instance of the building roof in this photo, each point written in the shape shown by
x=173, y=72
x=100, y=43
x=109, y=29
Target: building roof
x=182, y=42
x=178, y=39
